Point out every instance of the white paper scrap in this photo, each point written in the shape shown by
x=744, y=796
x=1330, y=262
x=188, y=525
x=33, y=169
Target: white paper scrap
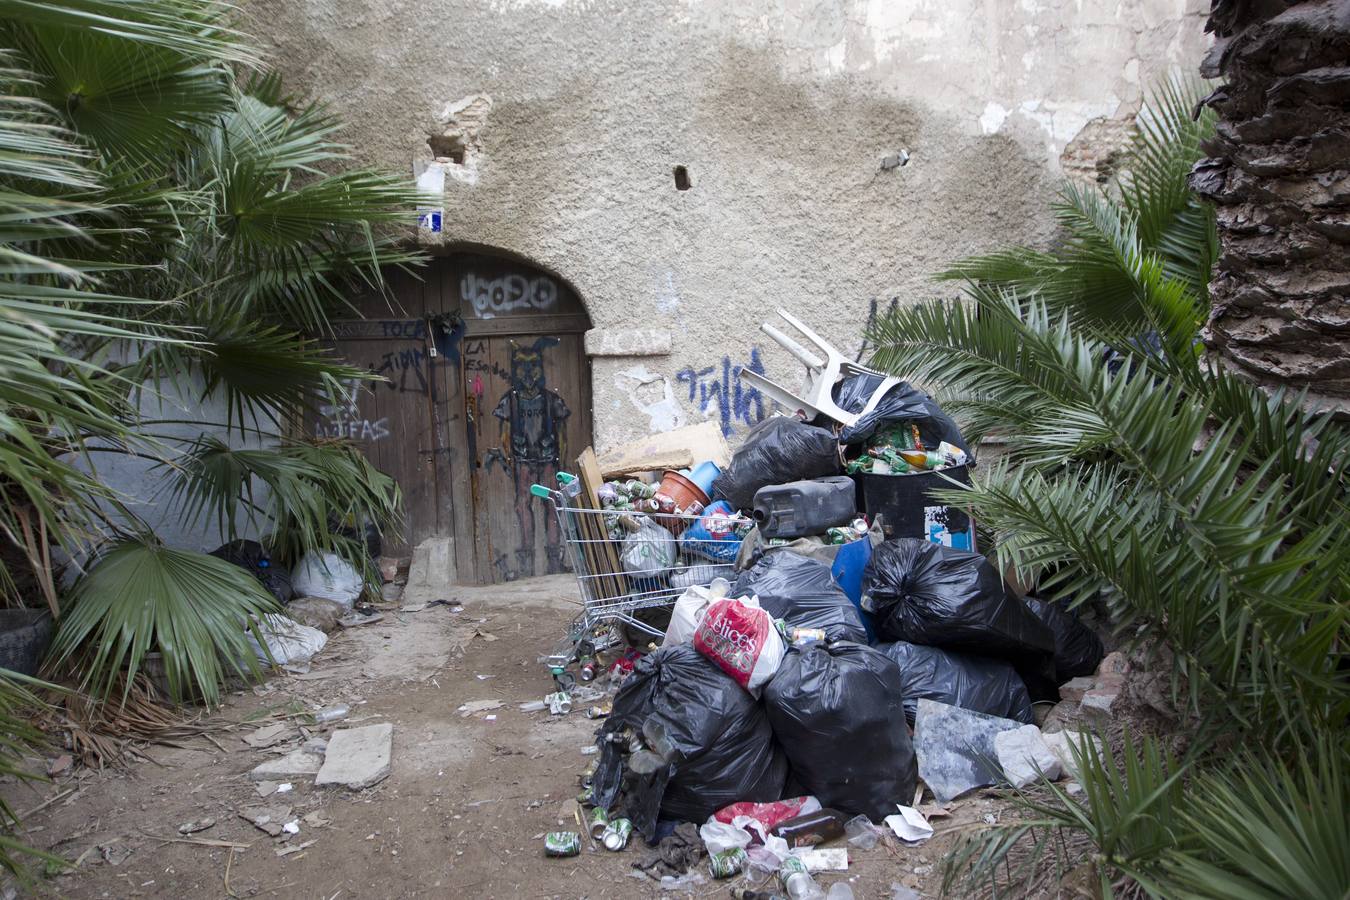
x=910, y=825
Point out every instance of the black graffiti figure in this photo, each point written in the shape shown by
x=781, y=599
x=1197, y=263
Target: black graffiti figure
x=532, y=418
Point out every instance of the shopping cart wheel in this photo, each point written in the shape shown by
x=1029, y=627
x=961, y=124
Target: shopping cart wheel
x=565, y=681
x=585, y=648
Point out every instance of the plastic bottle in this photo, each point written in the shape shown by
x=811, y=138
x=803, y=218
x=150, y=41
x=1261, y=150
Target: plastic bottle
x=804, y=507
x=812, y=828
x=332, y=714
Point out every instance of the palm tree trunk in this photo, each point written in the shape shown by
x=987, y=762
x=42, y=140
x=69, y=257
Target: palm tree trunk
x=1279, y=174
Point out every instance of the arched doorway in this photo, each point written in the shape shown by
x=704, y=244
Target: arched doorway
x=487, y=390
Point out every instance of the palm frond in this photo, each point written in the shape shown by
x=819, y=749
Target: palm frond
x=141, y=597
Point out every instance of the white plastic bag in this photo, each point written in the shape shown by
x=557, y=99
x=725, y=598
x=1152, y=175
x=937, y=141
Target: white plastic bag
x=718, y=836
x=742, y=639
x=649, y=551
x=290, y=642
x=689, y=610
x=329, y=576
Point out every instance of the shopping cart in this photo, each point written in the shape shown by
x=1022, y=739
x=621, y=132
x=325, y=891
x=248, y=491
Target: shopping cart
x=629, y=565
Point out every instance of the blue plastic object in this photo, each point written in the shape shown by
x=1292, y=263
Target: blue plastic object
x=704, y=474
x=847, y=570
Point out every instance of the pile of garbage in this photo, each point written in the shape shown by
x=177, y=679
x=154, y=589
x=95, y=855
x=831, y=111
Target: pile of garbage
x=845, y=643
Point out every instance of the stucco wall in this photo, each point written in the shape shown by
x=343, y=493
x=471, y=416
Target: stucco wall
x=567, y=117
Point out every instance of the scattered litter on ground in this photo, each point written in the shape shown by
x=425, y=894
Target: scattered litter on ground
x=476, y=706
x=909, y=825
x=196, y=826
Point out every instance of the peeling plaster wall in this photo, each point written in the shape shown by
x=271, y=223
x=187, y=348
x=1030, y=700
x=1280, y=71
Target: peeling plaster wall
x=559, y=124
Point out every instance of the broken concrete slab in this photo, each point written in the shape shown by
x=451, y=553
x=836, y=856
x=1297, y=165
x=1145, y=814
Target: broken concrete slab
x=268, y=735
x=1024, y=756
x=1075, y=688
x=295, y=764
x=358, y=757
x=269, y=819
x=1061, y=743
x=956, y=748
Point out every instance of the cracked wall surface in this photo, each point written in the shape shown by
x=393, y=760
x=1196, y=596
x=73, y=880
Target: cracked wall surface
x=559, y=123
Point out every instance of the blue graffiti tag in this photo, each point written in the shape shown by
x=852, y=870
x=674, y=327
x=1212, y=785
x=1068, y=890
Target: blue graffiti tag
x=736, y=403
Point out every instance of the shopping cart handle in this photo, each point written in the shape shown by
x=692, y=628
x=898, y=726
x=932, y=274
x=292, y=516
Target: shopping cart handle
x=540, y=491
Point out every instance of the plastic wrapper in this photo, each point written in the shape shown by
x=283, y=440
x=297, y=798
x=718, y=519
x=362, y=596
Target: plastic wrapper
x=649, y=551
x=803, y=593
x=978, y=683
x=837, y=711
x=714, y=536
x=1078, y=651
x=723, y=747
x=329, y=576
x=925, y=593
x=902, y=402
x=778, y=450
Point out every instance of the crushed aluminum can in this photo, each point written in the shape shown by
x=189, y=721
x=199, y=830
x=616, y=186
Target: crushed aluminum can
x=560, y=703
x=599, y=712
x=790, y=867
x=808, y=635
x=728, y=863
x=597, y=821
x=562, y=843
x=588, y=776
x=616, y=835
x=586, y=797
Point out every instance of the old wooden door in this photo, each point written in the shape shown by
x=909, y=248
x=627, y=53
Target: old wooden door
x=486, y=390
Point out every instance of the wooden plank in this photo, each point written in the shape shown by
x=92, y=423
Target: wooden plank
x=527, y=325
x=677, y=449
x=605, y=554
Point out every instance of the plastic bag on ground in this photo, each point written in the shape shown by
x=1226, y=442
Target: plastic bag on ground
x=718, y=836
x=742, y=639
x=803, y=593
x=329, y=576
x=985, y=685
x=723, y=747
x=925, y=593
x=768, y=814
x=778, y=450
x=289, y=642
x=837, y=711
x=1078, y=651
x=903, y=402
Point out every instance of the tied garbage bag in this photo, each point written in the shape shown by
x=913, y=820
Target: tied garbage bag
x=1078, y=651
x=778, y=450
x=329, y=576
x=252, y=556
x=721, y=746
x=925, y=593
x=836, y=710
x=742, y=639
x=803, y=593
x=984, y=685
x=901, y=403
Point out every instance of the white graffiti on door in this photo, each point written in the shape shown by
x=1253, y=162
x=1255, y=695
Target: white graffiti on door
x=492, y=296
x=342, y=419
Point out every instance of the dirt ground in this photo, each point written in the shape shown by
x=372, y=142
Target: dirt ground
x=462, y=813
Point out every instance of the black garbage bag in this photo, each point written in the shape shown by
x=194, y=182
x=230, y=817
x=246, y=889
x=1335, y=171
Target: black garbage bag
x=903, y=402
x=1078, y=651
x=803, y=593
x=971, y=682
x=836, y=710
x=723, y=746
x=778, y=450
x=925, y=593
x=251, y=555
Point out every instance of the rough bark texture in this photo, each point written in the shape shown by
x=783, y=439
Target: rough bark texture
x=1279, y=173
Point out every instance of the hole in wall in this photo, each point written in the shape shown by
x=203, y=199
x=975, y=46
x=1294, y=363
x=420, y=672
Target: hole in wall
x=682, y=182
x=447, y=146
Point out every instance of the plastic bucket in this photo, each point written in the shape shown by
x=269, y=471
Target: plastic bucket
x=704, y=474
x=677, y=494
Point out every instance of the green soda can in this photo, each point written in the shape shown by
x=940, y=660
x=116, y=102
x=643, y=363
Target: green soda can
x=598, y=821
x=562, y=843
x=616, y=835
x=727, y=863
x=586, y=797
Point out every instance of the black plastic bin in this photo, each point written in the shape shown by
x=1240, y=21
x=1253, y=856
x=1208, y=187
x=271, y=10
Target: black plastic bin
x=908, y=510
